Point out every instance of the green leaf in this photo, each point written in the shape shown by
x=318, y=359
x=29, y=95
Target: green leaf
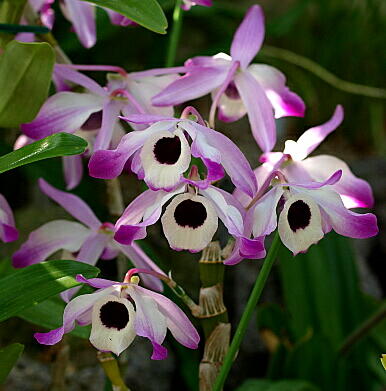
x=8, y=357
x=59, y=144
x=25, y=77
x=33, y=284
x=282, y=385
x=147, y=13
x=49, y=314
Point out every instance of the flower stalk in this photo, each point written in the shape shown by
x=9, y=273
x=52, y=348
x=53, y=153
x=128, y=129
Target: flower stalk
x=248, y=312
x=175, y=34
x=111, y=369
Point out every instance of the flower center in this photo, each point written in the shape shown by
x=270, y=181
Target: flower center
x=114, y=315
x=299, y=215
x=231, y=91
x=190, y=213
x=167, y=150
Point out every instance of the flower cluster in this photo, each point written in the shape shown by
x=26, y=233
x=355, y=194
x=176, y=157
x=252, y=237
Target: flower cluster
x=181, y=160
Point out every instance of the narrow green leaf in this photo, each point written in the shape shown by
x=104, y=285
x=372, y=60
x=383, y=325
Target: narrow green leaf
x=25, y=77
x=59, y=144
x=33, y=284
x=8, y=357
x=49, y=314
x=10, y=12
x=147, y=13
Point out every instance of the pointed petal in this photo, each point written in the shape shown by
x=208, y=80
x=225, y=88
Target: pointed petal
x=214, y=146
x=72, y=204
x=149, y=322
x=108, y=164
x=62, y=112
x=196, y=83
x=143, y=211
x=74, y=310
x=355, y=192
x=82, y=16
x=111, y=110
x=230, y=109
x=98, y=282
x=259, y=110
x=284, y=101
x=249, y=36
x=311, y=138
x=49, y=238
x=264, y=212
x=8, y=232
x=178, y=323
x=72, y=170
x=344, y=221
x=141, y=261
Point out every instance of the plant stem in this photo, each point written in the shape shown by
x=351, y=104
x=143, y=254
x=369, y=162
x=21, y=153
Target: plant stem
x=322, y=73
x=175, y=34
x=111, y=369
x=248, y=312
x=363, y=329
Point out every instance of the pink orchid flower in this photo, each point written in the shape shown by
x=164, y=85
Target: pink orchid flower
x=115, y=321
x=8, y=231
x=236, y=86
x=92, y=239
x=190, y=220
x=310, y=210
x=297, y=166
x=162, y=154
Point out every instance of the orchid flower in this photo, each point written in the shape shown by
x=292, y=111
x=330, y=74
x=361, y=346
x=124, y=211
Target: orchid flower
x=189, y=221
x=68, y=111
x=236, y=86
x=92, y=238
x=115, y=321
x=8, y=231
x=188, y=4
x=310, y=210
x=296, y=166
x=162, y=155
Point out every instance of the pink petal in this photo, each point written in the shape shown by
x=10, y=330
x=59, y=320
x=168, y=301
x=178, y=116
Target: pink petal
x=8, y=232
x=284, y=101
x=72, y=204
x=259, y=110
x=49, y=238
x=62, y=112
x=249, y=36
x=72, y=170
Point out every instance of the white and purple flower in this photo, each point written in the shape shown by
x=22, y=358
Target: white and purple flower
x=188, y=4
x=162, y=154
x=118, y=312
x=190, y=220
x=309, y=211
x=8, y=231
x=92, y=239
x=237, y=87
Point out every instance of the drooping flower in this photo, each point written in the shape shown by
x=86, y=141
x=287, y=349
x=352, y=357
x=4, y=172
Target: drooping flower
x=310, y=210
x=188, y=4
x=162, y=155
x=296, y=166
x=236, y=86
x=92, y=239
x=8, y=231
x=115, y=321
x=190, y=220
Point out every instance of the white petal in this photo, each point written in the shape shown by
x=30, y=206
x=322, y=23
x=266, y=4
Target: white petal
x=189, y=222
x=300, y=223
x=113, y=321
x=165, y=157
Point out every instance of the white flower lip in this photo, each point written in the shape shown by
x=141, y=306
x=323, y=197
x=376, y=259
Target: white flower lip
x=165, y=157
x=189, y=222
x=113, y=320
x=300, y=223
